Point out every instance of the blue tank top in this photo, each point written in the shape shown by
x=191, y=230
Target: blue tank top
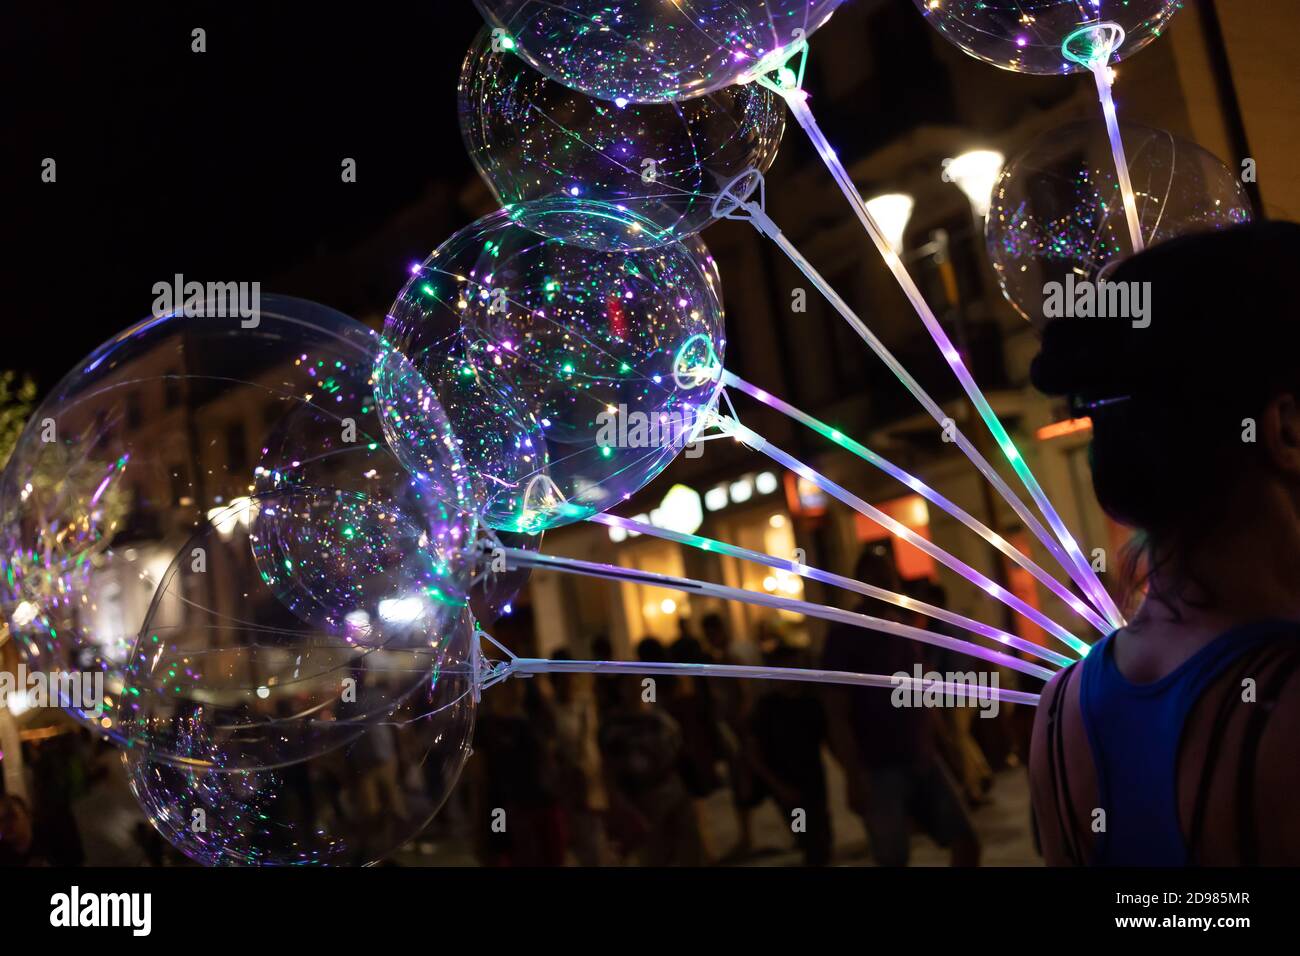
x=1134, y=732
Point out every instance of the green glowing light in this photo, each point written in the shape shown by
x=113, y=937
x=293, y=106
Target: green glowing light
x=1091, y=46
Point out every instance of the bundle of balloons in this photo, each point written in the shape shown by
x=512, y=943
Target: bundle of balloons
x=282, y=540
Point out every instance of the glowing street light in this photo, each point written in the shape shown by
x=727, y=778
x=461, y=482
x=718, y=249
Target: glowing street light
x=891, y=212
x=975, y=172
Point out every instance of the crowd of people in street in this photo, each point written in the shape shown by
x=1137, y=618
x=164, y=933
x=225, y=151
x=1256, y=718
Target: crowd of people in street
x=573, y=769
x=608, y=771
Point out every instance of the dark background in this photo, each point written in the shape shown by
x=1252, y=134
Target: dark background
x=222, y=166
x=225, y=165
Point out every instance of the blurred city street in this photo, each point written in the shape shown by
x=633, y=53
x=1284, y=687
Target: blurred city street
x=1002, y=824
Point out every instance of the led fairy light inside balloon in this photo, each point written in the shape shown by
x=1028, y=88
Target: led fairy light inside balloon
x=655, y=163
x=1025, y=36
x=326, y=533
x=1052, y=37
x=609, y=373
x=1093, y=47
x=652, y=51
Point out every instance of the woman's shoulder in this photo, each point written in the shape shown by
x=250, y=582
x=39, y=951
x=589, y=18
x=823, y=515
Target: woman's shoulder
x=1278, y=766
x=1062, y=780
x=1239, y=770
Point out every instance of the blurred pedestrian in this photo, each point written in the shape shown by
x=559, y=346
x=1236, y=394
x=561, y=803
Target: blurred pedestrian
x=889, y=753
x=734, y=699
x=690, y=703
x=958, y=745
x=581, y=777
x=788, y=728
x=517, y=815
x=18, y=843
x=651, y=817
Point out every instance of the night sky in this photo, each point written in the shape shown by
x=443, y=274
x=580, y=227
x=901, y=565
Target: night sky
x=222, y=166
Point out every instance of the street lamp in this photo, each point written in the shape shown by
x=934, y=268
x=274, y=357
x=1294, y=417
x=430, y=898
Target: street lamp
x=975, y=172
x=891, y=212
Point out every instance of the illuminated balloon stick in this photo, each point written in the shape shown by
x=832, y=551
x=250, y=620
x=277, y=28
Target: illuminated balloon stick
x=1092, y=48
x=731, y=203
x=776, y=73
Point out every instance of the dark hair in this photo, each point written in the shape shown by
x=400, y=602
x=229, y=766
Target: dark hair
x=649, y=650
x=1169, y=402
x=787, y=655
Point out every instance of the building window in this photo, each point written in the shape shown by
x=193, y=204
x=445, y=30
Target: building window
x=654, y=612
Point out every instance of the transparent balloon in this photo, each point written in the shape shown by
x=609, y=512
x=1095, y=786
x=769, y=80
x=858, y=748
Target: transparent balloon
x=499, y=446
x=662, y=163
x=352, y=805
x=226, y=652
x=615, y=355
x=173, y=429
x=650, y=51
x=494, y=590
x=1049, y=36
x=1057, y=220
x=306, y=447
